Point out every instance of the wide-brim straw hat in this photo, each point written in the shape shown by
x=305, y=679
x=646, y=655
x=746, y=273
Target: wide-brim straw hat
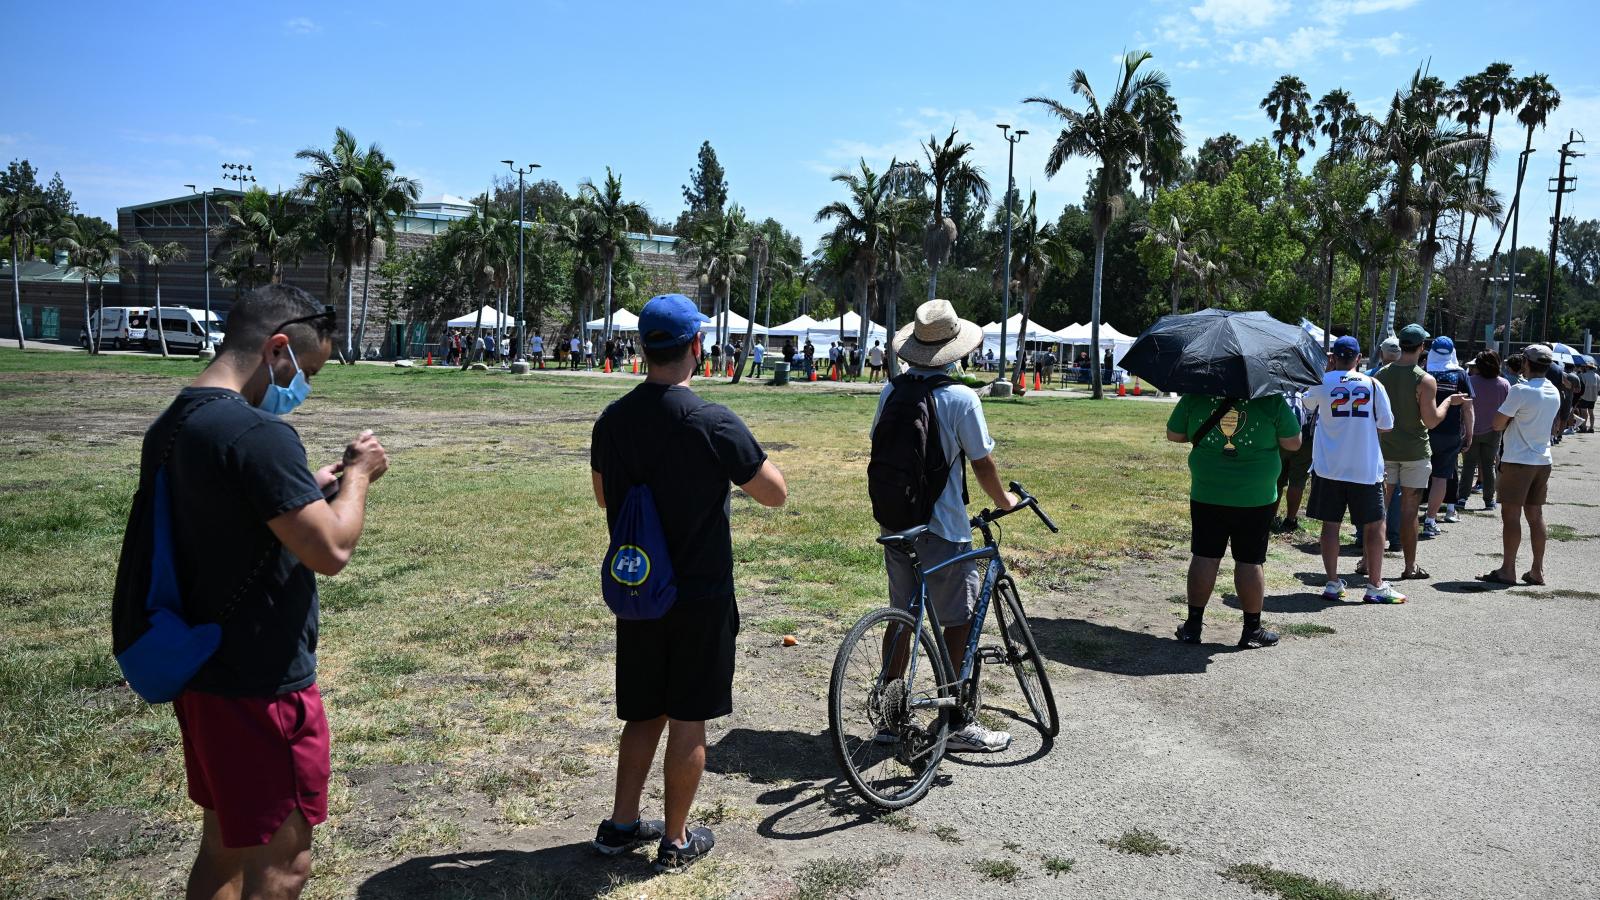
x=936, y=336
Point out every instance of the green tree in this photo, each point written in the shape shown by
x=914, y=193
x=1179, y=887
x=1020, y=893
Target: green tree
x=87, y=241
x=718, y=246
x=384, y=197
x=706, y=193
x=1498, y=93
x=155, y=257
x=1338, y=119
x=1161, y=153
x=1286, y=106
x=23, y=216
x=612, y=218
x=949, y=173
x=1114, y=137
x=262, y=224
x=861, y=223
x=1215, y=157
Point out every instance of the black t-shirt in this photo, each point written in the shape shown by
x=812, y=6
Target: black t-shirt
x=688, y=451
x=232, y=468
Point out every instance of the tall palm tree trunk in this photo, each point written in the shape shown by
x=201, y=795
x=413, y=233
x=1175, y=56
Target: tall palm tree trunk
x=161, y=331
x=750, y=323
x=366, y=281
x=609, y=261
x=1394, y=286
x=1488, y=149
x=90, y=327
x=933, y=283
x=100, y=309
x=1095, y=375
x=892, y=324
x=1327, y=298
x=1372, y=312
x=16, y=292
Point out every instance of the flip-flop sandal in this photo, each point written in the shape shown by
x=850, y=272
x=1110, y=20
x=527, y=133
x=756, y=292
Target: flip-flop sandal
x=1495, y=578
x=1528, y=578
x=1418, y=573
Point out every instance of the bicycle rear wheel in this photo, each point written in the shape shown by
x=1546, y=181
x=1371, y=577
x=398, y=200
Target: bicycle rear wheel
x=1022, y=652
x=887, y=739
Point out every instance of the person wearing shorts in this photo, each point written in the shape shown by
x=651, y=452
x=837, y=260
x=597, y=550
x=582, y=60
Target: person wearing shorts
x=932, y=345
x=1351, y=410
x=1296, y=469
x=254, y=733
x=1589, y=379
x=1407, y=456
x=1234, y=461
x=676, y=672
x=1446, y=439
x=875, y=361
x=1525, y=419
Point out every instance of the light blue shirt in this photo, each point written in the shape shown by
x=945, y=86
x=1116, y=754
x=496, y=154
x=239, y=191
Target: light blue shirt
x=760, y=353
x=962, y=429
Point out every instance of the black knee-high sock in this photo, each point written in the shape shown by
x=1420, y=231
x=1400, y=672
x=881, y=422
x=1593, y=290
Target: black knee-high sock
x=1252, y=621
x=1196, y=615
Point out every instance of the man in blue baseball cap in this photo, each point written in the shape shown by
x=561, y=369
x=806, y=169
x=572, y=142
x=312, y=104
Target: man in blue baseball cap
x=1446, y=439
x=1347, y=466
x=675, y=672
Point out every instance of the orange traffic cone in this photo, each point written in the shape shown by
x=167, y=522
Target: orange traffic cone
x=813, y=374
x=636, y=365
x=430, y=359
x=708, y=368
x=1036, y=379
x=730, y=370
x=608, y=365
x=1137, y=391
x=1122, y=389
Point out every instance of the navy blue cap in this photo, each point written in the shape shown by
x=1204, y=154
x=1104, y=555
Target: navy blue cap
x=1442, y=344
x=673, y=315
x=1347, y=347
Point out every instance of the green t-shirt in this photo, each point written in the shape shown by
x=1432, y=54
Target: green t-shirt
x=1250, y=476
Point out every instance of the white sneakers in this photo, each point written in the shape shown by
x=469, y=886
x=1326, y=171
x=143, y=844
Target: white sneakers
x=1333, y=591
x=977, y=739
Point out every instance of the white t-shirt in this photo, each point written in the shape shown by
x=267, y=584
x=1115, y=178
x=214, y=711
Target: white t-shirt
x=1532, y=406
x=875, y=356
x=1350, y=408
x=575, y=345
x=962, y=429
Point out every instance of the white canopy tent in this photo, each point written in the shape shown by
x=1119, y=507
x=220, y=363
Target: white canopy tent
x=1311, y=328
x=492, y=320
x=621, y=320
x=1079, y=336
x=828, y=329
x=799, y=327
x=736, y=325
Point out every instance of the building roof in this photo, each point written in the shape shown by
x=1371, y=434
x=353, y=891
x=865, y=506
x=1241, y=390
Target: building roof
x=37, y=270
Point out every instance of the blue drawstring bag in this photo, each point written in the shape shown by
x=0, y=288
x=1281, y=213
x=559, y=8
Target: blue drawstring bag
x=159, y=662
x=637, y=579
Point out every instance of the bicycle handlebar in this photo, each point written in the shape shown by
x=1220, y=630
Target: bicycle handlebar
x=1025, y=500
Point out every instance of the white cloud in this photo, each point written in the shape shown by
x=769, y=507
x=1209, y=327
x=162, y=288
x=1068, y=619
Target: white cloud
x=1191, y=64
x=1296, y=49
x=201, y=141
x=7, y=140
x=1333, y=12
x=301, y=25
x=1232, y=16
x=1385, y=46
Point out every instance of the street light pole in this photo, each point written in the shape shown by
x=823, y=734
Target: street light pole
x=1005, y=288
x=1516, y=218
x=205, y=265
x=521, y=279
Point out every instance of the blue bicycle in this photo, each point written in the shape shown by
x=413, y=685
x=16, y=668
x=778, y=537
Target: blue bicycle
x=891, y=698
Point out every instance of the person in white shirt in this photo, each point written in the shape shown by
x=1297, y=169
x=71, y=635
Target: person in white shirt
x=574, y=353
x=588, y=352
x=875, y=361
x=1351, y=410
x=1526, y=417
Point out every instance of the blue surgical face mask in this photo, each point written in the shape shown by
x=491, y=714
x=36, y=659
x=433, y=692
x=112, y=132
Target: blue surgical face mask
x=280, y=400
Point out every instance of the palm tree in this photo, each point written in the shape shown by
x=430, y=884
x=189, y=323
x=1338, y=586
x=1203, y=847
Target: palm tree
x=1286, y=105
x=862, y=221
x=1028, y=265
x=156, y=257
x=260, y=223
x=1498, y=94
x=1339, y=120
x=1161, y=157
x=950, y=174
x=481, y=249
x=334, y=183
x=757, y=255
x=100, y=267
x=903, y=212
x=719, y=245
x=1448, y=188
x=1175, y=236
x=87, y=241
x=384, y=197
x=1113, y=136
x=612, y=217
x=22, y=216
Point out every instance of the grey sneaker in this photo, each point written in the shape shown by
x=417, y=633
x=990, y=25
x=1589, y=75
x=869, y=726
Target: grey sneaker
x=672, y=859
x=1450, y=517
x=611, y=840
x=1430, y=528
x=977, y=739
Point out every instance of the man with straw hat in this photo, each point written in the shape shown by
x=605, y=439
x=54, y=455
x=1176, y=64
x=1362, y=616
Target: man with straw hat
x=932, y=345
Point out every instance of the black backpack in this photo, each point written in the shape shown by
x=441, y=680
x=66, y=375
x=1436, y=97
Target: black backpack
x=908, y=471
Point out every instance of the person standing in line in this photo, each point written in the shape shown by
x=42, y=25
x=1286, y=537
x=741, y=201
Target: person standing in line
x=809, y=354
x=1296, y=469
x=1351, y=411
x=536, y=347
x=588, y=352
x=1525, y=418
x=875, y=362
x=1233, y=476
x=1406, y=452
x=1513, y=368
x=932, y=345
x=675, y=673
x=1557, y=376
x=1590, y=380
x=758, y=358
x=1388, y=352
x=1482, y=456
x=1445, y=440
x=251, y=527
x=574, y=352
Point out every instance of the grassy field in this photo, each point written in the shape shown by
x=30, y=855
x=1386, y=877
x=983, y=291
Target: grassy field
x=467, y=639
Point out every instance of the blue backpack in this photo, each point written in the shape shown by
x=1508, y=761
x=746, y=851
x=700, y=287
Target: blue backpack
x=637, y=579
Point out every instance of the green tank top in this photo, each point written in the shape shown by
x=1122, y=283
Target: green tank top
x=1409, y=439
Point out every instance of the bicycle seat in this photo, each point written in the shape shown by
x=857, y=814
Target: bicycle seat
x=902, y=540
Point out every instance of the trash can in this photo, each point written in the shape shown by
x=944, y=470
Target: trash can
x=780, y=372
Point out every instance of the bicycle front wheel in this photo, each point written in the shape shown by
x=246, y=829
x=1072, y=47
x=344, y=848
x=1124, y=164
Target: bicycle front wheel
x=888, y=732
x=1022, y=652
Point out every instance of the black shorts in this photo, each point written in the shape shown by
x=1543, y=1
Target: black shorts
x=1247, y=528
x=1581, y=403
x=1330, y=499
x=1446, y=458
x=680, y=665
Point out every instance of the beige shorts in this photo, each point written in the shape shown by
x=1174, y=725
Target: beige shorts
x=1412, y=473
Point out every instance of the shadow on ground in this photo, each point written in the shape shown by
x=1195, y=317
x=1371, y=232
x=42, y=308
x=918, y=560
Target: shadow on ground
x=813, y=809
x=1106, y=648
x=569, y=870
x=770, y=757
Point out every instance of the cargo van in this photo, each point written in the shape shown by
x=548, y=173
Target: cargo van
x=121, y=327
x=183, y=329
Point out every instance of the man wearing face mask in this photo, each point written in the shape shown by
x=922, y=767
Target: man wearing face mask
x=252, y=526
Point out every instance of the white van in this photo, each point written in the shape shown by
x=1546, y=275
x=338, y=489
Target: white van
x=121, y=327
x=183, y=329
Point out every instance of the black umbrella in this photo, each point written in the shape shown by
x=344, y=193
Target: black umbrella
x=1226, y=354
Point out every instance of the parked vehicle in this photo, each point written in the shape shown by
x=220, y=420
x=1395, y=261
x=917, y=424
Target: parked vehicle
x=183, y=328
x=121, y=327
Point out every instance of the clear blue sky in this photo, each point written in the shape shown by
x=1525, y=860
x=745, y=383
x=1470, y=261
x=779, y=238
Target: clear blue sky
x=129, y=102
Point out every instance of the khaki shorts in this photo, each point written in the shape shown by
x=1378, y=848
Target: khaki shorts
x=1522, y=485
x=1412, y=473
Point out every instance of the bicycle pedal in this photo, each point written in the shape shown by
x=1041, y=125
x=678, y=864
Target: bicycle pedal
x=992, y=654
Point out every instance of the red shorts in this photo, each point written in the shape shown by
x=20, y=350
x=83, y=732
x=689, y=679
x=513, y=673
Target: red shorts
x=254, y=760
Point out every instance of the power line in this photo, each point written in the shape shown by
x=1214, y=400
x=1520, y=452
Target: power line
x=1561, y=186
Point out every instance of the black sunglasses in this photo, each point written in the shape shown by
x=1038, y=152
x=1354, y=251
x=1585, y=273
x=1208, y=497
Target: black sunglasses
x=329, y=312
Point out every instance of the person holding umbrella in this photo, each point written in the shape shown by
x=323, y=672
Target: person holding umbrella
x=1233, y=370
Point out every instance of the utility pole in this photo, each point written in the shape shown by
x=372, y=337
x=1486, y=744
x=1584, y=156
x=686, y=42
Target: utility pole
x=521, y=279
x=1516, y=218
x=1563, y=186
x=1005, y=288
